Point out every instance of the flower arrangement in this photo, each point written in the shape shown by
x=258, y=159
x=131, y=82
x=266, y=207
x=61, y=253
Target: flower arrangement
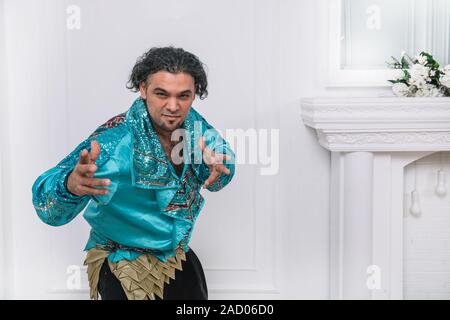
x=420, y=76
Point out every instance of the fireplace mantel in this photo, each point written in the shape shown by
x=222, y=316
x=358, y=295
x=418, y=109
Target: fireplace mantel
x=371, y=141
x=379, y=124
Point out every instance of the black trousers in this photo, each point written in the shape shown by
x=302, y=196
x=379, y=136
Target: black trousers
x=189, y=284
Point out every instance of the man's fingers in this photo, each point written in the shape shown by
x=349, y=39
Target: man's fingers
x=84, y=190
x=222, y=169
x=87, y=170
x=215, y=158
x=211, y=179
x=84, y=157
x=90, y=157
x=216, y=171
x=222, y=157
x=208, y=158
x=201, y=143
x=95, y=151
x=95, y=182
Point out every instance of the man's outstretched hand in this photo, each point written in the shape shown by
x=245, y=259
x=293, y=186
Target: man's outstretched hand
x=81, y=181
x=214, y=161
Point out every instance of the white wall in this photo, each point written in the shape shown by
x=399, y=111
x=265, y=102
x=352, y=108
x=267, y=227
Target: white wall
x=262, y=57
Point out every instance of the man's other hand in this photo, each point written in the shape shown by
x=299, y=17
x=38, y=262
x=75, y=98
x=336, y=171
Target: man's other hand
x=214, y=161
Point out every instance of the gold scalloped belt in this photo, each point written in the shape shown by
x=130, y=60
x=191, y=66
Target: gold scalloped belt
x=141, y=279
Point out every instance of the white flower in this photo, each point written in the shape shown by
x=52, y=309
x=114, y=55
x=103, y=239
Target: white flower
x=445, y=79
x=403, y=53
x=420, y=78
x=400, y=89
x=398, y=74
x=420, y=70
x=417, y=81
x=428, y=90
x=422, y=59
x=419, y=75
x=434, y=92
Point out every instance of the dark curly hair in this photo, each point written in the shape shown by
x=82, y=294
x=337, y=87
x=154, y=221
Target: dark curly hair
x=169, y=59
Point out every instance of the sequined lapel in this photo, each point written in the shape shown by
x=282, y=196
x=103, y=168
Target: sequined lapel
x=150, y=167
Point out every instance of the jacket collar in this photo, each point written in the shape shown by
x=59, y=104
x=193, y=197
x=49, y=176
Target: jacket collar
x=150, y=168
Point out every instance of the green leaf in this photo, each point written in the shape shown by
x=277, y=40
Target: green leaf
x=404, y=62
x=407, y=75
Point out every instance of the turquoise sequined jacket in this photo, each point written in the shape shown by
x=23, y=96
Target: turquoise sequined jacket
x=149, y=208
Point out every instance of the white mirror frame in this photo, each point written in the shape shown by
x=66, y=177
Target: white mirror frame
x=436, y=42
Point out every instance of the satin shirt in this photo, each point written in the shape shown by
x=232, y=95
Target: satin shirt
x=149, y=208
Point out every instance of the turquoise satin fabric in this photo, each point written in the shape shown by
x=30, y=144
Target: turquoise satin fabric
x=148, y=207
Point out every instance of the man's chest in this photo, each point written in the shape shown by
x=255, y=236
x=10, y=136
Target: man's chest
x=175, y=156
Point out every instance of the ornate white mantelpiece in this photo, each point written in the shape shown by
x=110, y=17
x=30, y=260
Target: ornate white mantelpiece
x=371, y=141
x=379, y=124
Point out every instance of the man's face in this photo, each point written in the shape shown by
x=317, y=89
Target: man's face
x=169, y=97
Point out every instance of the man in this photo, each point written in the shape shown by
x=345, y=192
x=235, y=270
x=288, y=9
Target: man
x=140, y=176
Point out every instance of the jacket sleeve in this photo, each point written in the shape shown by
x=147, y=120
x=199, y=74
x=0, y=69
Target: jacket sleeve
x=215, y=142
x=53, y=203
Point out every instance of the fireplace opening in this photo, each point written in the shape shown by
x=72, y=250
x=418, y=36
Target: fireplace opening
x=426, y=228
